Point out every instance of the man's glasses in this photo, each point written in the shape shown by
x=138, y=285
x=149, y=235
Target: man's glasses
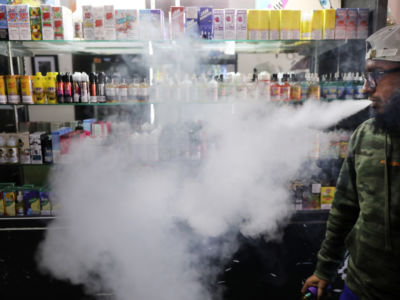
x=372, y=78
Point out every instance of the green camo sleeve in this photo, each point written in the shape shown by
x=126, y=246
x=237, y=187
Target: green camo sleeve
x=342, y=217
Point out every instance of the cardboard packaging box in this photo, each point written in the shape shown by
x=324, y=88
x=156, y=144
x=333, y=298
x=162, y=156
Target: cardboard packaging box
x=3, y=23
x=241, y=24
x=88, y=22
x=295, y=28
x=274, y=25
x=351, y=23
x=12, y=20
x=98, y=15
x=252, y=24
x=362, y=23
x=36, y=147
x=110, y=32
x=121, y=24
x=177, y=22
x=306, y=26
x=63, y=26
x=36, y=23
x=317, y=21
x=340, y=24
x=24, y=150
x=329, y=24
x=55, y=141
x=206, y=22
x=327, y=195
x=286, y=24
x=24, y=22
x=157, y=24
x=219, y=24
x=192, y=22
x=132, y=24
x=230, y=24
x=263, y=24
x=47, y=22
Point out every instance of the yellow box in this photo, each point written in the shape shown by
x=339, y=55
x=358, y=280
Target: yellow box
x=252, y=19
x=263, y=24
x=329, y=24
x=306, y=26
x=317, y=21
x=274, y=24
x=327, y=195
x=286, y=24
x=295, y=24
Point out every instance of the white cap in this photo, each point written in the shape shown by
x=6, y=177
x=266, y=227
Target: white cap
x=384, y=44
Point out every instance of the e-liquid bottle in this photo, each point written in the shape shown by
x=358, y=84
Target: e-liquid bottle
x=285, y=88
x=101, y=87
x=275, y=88
x=93, y=87
x=60, y=88
x=67, y=88
x=76, y=79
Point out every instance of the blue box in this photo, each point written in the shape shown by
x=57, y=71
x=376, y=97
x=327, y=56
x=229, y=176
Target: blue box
x=87, y=125
x=55, y=142
x=206, y=22
x=192, y=22
x=3, y=22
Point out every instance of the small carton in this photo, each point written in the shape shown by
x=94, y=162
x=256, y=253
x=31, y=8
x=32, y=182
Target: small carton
x=24, y=22
x=311, y=198
x=317, y=24
x=362, y=23
x=327, y=195
x=110, y=32
x=295, y=28
x=45, y=203
x=192, y=22
x=329, y=24
x=36, y=23
x=63, y=27
x=24, y=150
x=177, y=22
x=274, y=25
x=263, y=24
x=286, y=24
x=340, y=23
x=132, y=24
x=241, y=24
x=98, y=15
x=88, y=22
x=55, y=142
x=206, y=22
x=87, y=125
x=351, y=23
x=120, y=24
x=252, y=24
x=230, y=24
x=12, y=20
x=32, y=201
x=36, y=147
x=3, y=23
x=9, y=201
x=219, y=24
x=306, y=26
x=157, y=24
x=47, y=22
x=145, y=24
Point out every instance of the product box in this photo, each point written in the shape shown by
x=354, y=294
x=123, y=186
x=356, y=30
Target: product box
x=121, y=24
x=177, y=22
x=230, y=24
x=295, y=28
x=3, y=22
x=9, y=201
x=63, y=27
x=329, y=24
x=88, y=22
x=132, y=24
x=327, y=195
x=101, y=129
x=192, y=21
x=252, y=24
x=263, y=24
x=68, y=138
x=47, y=22
x=311, y=198
x=286, y=24
x=1, y=202
x=340, y=23
x=306, y=26
x=12, y=20
x=36, y=23
x=24, y=22
x=98, y=15
x=206, y=22
x=219, y=24
x=36, y=147
x=274, y=24
x=317, y=21
x=110, y=32
x=362, y=23
x=32, y=202
x=241, y=24
x=351, y=23
x=45, y=203
x=87, y=125
x=157, y=24
x=24, y=147
x=55, y=142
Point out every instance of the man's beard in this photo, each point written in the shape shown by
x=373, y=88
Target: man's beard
x=389, y=119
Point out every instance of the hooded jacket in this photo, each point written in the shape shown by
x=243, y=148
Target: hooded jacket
x=365, y=216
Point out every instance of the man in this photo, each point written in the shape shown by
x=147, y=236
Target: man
x=365, y=215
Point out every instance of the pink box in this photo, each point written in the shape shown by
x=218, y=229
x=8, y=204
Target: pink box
x=241, y=24
x=24, y=22
x=362, y=23
x=109, y=23
x=219, y=24
x=230, y=24
x=12, y=19
x=340, y=26
x=177, y=22
x=351, y=23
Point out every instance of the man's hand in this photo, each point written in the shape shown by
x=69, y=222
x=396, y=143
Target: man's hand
x=316, y=282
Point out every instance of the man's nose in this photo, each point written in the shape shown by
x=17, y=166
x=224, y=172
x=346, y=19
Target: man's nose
x=367, y=89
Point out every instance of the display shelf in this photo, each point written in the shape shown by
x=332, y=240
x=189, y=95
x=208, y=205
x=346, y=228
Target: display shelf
x=31, y=48
x=24, y=223
x=310, y=216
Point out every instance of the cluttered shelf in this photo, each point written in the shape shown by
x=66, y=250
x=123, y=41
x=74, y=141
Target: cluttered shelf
x=30, y=48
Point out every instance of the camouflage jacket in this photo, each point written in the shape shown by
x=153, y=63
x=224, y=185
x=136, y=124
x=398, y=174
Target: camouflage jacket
x=365, y=216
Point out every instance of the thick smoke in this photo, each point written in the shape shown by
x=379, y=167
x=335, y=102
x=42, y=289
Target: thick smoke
x=151, y=230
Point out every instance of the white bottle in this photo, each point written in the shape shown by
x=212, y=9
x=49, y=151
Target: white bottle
x=264, y=86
